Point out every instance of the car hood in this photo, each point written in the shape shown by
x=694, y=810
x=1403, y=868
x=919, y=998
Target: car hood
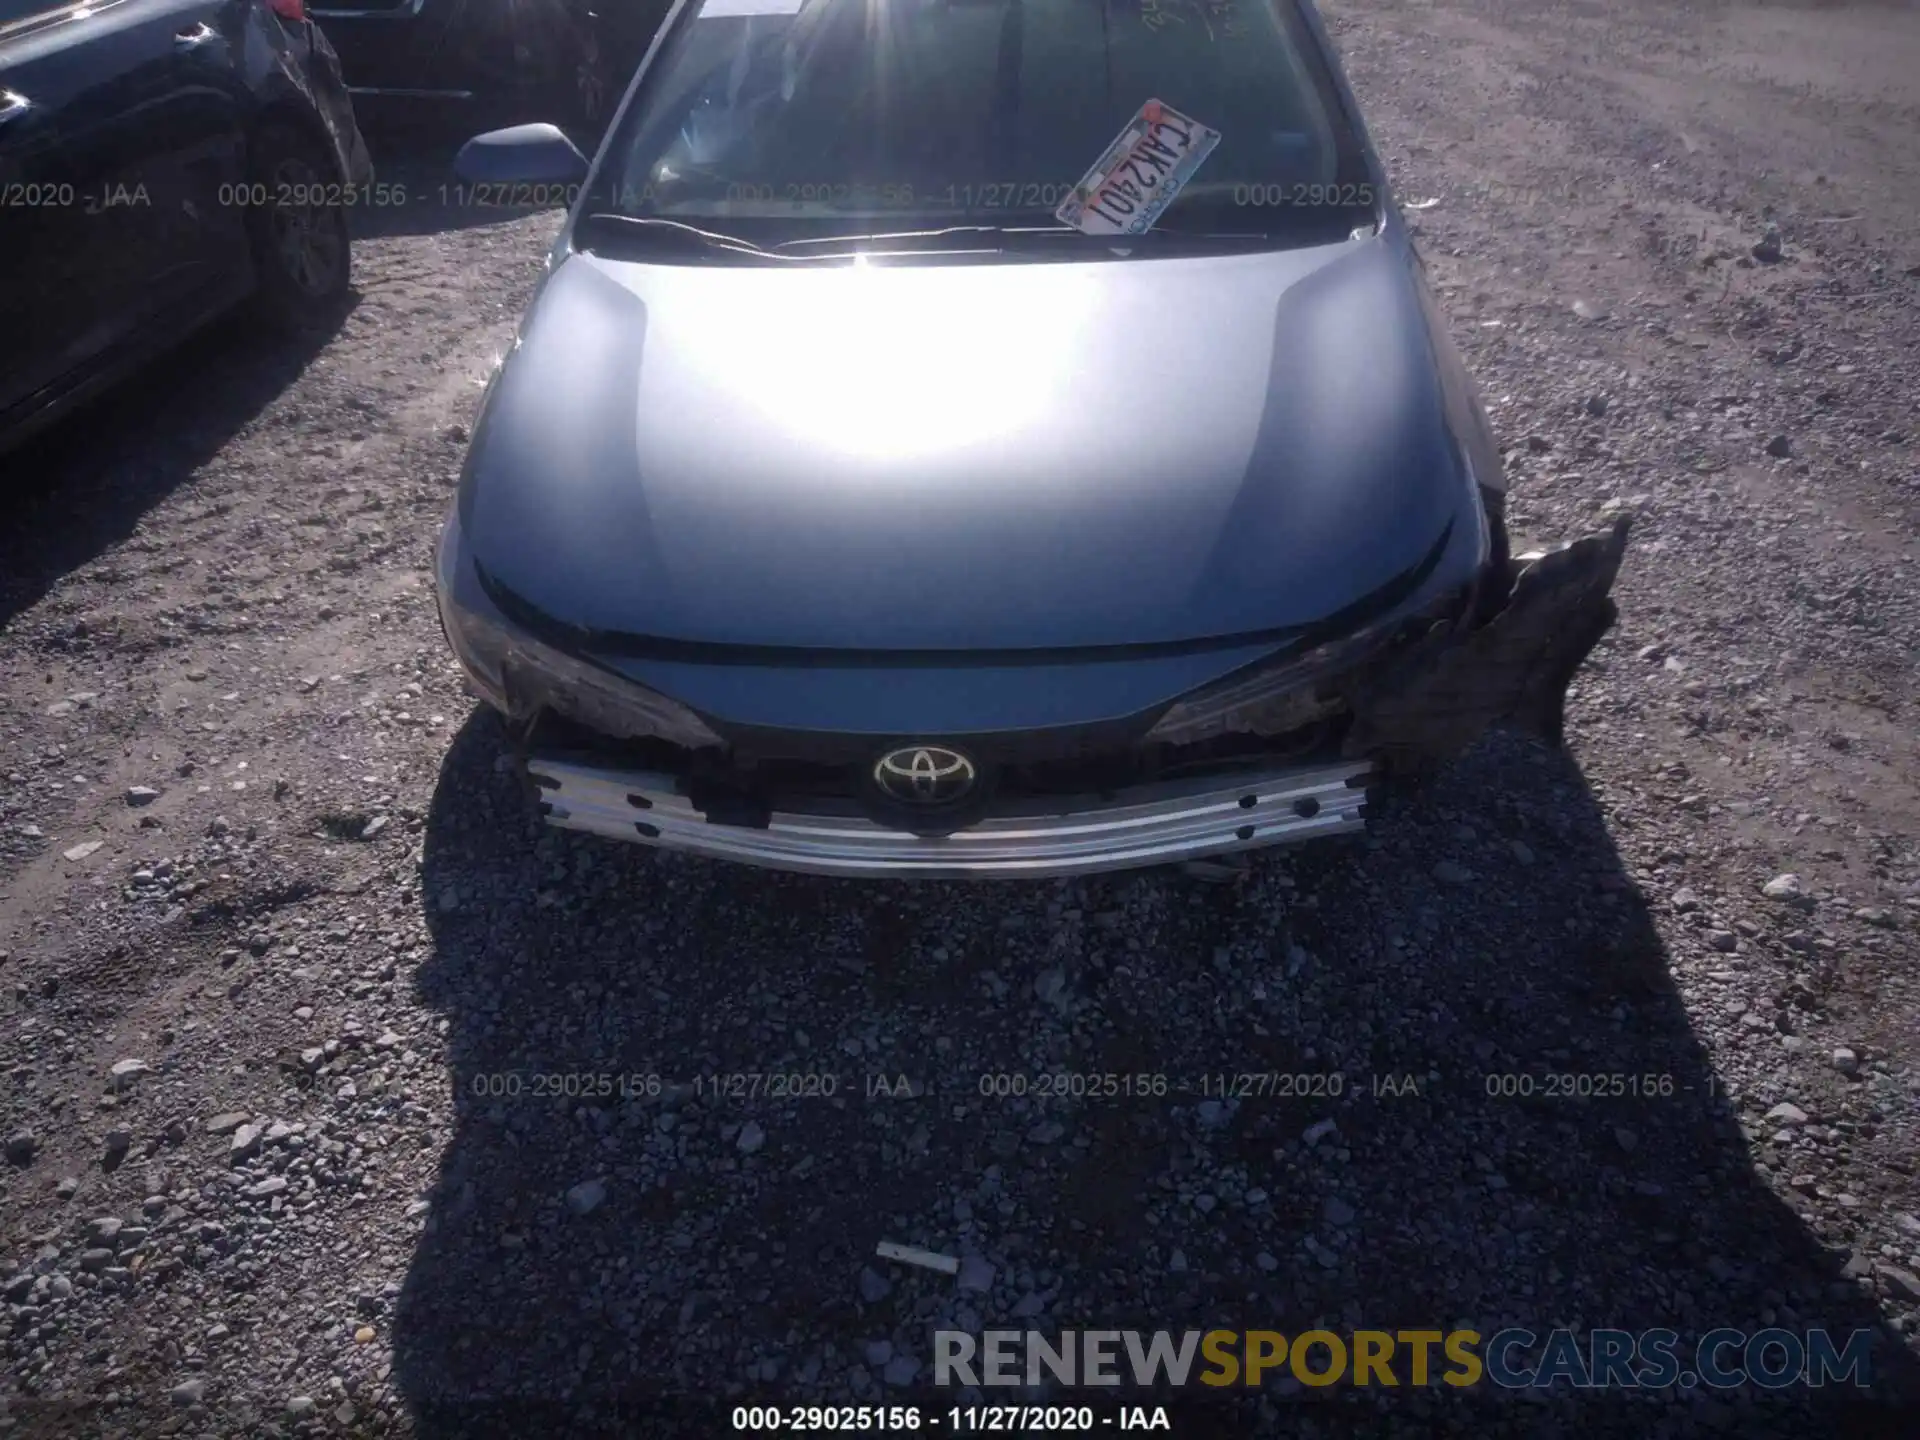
x=963, y=456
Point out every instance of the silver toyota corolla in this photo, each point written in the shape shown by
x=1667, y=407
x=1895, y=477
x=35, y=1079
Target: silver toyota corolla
x=976, y=437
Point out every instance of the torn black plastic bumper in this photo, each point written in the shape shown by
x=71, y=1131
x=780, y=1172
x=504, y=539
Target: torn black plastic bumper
x=1513, y=669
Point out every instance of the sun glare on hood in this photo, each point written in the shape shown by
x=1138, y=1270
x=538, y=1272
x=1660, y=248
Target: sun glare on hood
x=867, y=360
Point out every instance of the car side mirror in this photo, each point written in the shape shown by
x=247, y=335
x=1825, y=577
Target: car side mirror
x=538, y=154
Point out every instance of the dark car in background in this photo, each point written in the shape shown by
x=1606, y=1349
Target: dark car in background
x=491, y=62
x=162, y=161
x=877, y=486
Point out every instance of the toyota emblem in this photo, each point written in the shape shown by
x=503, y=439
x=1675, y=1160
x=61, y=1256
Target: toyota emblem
x=924, y=775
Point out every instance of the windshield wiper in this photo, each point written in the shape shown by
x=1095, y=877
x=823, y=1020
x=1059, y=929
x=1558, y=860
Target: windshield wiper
x=994, y=239
x=678, y=233
x=1004, y=237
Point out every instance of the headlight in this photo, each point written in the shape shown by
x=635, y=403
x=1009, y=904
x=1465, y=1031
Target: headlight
x=519, y=675
x=1286, y=694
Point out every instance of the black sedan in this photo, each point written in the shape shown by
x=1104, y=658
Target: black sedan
x=493, y=61
x=162, y=161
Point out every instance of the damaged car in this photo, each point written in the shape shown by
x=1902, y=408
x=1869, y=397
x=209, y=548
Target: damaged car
x=989, y=439
x=163, y=162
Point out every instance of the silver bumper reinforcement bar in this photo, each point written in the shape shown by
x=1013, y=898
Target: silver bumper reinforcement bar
x=1146, y=825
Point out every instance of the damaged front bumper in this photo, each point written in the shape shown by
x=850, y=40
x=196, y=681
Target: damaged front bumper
x=1513, y=669
x=1146, y=825
x=1409, y=714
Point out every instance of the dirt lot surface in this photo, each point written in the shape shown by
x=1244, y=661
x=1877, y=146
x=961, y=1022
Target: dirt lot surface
x=284, y=954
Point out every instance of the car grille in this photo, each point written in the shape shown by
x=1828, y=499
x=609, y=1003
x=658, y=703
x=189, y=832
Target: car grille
x=1064, y=743
x=777, y=766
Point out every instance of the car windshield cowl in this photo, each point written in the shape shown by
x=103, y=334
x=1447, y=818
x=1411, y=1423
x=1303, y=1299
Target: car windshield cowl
x=617, y=234
x=1053, y=239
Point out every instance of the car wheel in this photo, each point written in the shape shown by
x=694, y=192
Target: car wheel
x=301, y=250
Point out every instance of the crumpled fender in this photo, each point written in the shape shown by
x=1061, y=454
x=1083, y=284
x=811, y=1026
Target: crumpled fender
x=1513, y=669
x=299, y=71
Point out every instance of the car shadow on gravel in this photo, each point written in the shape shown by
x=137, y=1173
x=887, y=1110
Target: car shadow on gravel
x=590, y=1262
x=82, y=486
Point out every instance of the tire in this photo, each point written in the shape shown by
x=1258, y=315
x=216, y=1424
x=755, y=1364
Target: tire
x=303, y=256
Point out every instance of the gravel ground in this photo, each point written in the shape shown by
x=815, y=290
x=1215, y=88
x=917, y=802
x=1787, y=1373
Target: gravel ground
x=280, y=937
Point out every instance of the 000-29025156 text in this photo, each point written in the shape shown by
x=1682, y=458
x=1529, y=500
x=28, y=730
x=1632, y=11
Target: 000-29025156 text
x=635, y=1085
x=957, y=1419
x=257, y=195
x=825, y=1419
x=565, y=1085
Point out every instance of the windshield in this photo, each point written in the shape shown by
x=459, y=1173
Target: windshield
x=783, y=121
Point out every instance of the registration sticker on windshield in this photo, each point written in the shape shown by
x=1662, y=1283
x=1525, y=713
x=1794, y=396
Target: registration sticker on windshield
x=1128, y=187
